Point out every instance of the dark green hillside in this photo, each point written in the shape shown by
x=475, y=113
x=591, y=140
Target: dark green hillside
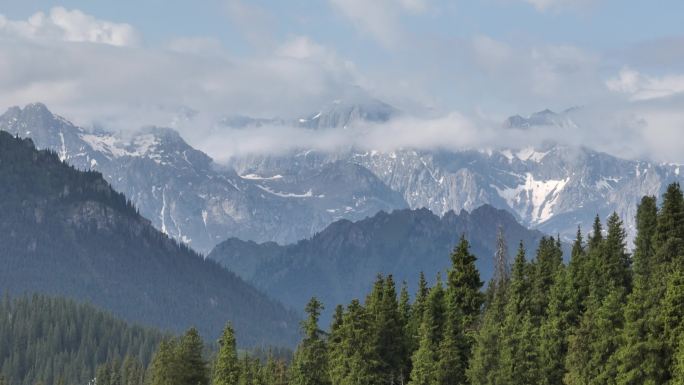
x=49, y=340
x=67, y=232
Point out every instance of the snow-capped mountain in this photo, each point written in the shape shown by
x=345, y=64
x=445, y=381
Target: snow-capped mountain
x=188, y=196
x=289, y=197
x=553, y=188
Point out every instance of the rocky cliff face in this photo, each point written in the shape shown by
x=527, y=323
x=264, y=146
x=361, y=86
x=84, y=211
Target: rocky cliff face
x=189, y=197
x=288, y=197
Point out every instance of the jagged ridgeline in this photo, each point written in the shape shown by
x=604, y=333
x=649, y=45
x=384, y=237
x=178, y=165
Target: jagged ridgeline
x=67, y=232
x=57, y=341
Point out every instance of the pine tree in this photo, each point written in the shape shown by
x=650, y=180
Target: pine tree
x=463, y=286
x=463, y=305
x=417, y=311
x=591, y=349
x=309, y=366
x=519, y=357
x=646, y=357
x=501, y=264
x=227, y=366
x=669, y=236
x=484, y=366
x=192, y=367
x=642, y=357
x=424, y=360
x=615, y=266
x=554, y=330
x=354, y=359
x=165, y=366
x=646, y=222
x=579, y=278
x=545, y=267
x=454, y=349
x=596, y=237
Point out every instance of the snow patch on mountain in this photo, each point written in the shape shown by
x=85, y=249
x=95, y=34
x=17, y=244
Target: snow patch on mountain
x=533, y=198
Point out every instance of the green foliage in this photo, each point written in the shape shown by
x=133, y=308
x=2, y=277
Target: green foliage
x=310, y=364
x=226, y=367
x=50, y=340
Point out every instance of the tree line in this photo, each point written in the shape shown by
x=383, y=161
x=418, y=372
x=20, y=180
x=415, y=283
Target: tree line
x=604, y=317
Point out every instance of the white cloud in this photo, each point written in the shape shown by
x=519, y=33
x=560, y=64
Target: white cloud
x=70, y=25
x=52, y=59
x=556, y=5
x=253, y=21
x=379, y=19
x=642, y=87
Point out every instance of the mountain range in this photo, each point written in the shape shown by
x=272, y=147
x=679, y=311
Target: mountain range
x=67, y=232
x=288, y=197
x=340, y=263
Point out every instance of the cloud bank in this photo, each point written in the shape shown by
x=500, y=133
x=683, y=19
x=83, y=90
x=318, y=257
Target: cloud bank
x=100, y=72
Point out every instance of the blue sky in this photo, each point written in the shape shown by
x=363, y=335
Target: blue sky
x=483, y=60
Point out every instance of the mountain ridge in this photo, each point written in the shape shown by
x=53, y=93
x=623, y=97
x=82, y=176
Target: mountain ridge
x=340, y=262
x=67, y=232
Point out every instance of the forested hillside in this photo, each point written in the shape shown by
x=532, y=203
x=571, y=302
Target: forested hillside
x=605, y=317
x=68, y=232
x=56, y=341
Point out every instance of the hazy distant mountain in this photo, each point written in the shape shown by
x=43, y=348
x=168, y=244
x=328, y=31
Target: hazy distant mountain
x=68, y=232
x=542, y=118
x=341, y=262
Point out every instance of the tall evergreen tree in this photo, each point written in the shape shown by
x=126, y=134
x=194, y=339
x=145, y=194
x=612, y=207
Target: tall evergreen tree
x=642, y=353
x=554, y=330
x=545, y=267
x=463, y=306
x=227, y=365
x=484, y=367
x=354, y=360
x=615, y=266
x=192, y=367
x=165, y=366
x=592, y=347
x=519, y=356
x=309, y=366
x=424, y=359
x=417, y=311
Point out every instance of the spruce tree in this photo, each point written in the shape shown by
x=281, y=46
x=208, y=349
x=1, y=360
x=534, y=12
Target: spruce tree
x=591, y=349
x=424, y=360
x=417, y=312
x=463, y=306
x=545, y=267
x=354, y=359
x=227, y=365
x=463, y=286
x=192, y=367
x=646, y=223
x=484, y=367
x=642, y=355
x=615, y=266
x=519, y=357
x=164, y=369
x=309, y=366
x=554, y=330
